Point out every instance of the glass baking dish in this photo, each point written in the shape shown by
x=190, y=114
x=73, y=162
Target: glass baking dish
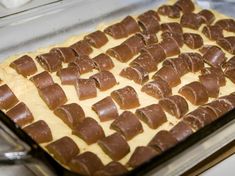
x=47, y=25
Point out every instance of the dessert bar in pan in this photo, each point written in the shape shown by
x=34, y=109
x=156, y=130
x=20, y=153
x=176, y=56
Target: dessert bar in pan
x=129, y=94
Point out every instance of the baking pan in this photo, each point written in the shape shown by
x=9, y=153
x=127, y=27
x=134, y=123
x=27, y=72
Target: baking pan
x=59, y=31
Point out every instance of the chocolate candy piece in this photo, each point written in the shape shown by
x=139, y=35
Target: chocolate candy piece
x=7, y=97
x=83, y=63
x=65, y=54
x=89, y=131
x=226, y=24
x=115, y=146
x=178, y=37
x=86, y=163
x=86, y=88
x=191, y=20
x=149, y=24
x=96, y=39
x=145, y=61
x=103, y=62
x=135, y=43
x=181, y=131
x=229, y=99
x=127, y=124
x=168, y=74
x=69, y=75
x=214, y=56
x=112, y=168
x=20, y=114
x=206, y=16
x=63, y=149
x=227, y=43
x=121, y=52
x=148, y=38
x=163, y=140
x=42, y=80
x=39, y=131
x=186, y=6
x=194, y=61
x=230, y=74
x=211, y=83
x=53, y=96
x=71, y=114
x=169, y=10
x=24, y=66
x=116, y=31
x=178, y=64
x=213, y=32
x=230, y=64
x=174, y=105
x=130, y=25
x=105, y=109
x=194, y=92
x=155, y=51
x=49, y=61
x=199, y=117
x=135, y=73
x=152, y=115
x=104, y=80
x=126, y=97
x=215, y=71
x=157, y=88
x=193, y=41
x=173, y=27
x=81, y=48
x=150, y=13
x=170, y=47
x=141, y=155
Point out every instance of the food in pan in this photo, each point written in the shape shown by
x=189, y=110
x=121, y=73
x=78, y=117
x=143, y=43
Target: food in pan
x=105, y=102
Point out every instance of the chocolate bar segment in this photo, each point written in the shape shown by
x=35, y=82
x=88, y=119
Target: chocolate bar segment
x=194, y=61
x=193, y=41
x=211, y=83
x=230, y=74
x=135, y=73
x=207, y=16
x=7, y=97
x=170, y=47
x=103, y=62
x=168, y=74
x=174, y=105
x=105, y=109
x=39, y=131
x=149, y=24
x=186, y=6
x=215, y=71
x=181, y=131
x=104, y=80
x=63, y=149
x=141, y=155
x=157, y=88
x=214, y=56
x=89, y=130
x=150, y=13
x=86, y=89
x=71, y=114
x=148, y=38
x=227, y=43
x=81, y=48
x=178, y=37
x=24, y=66
x=65, y=54
x=135, y=43
x=156, y=51
x=213, y=32
x=169, y=10
x=112, y=168
x=20, y=114
x=96, y=39
x=68, y=75
x=127, y=124
x=126, y=97
x=195, y=92
x=130, y=25
x=226, y=24
x=152, y=115
x=173, y=27
x=115, y=146
x=86, y=163
x=53, y=96
x=42, y=80
x=83, y=63
x=191, y=20
x=163, y=140
x=49, y=61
